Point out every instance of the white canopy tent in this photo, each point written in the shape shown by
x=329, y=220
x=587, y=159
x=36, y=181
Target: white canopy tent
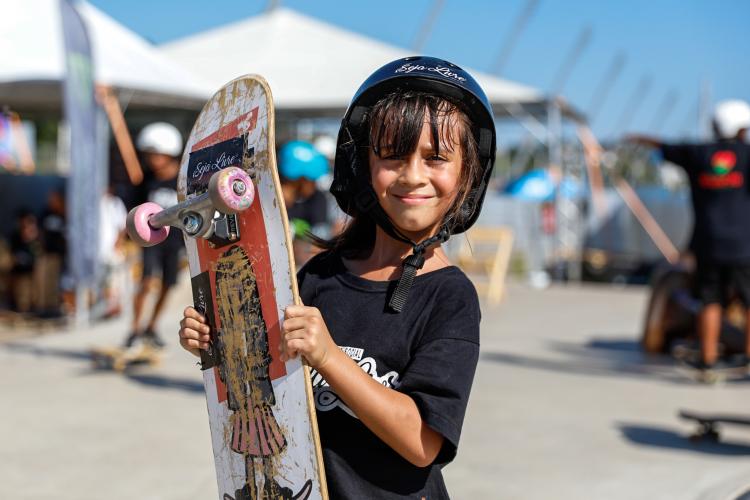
x=312, y=67
x=33, y=65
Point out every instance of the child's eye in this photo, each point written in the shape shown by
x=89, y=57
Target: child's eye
x=392, y=156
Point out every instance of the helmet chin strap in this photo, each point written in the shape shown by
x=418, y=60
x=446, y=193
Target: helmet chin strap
x=367, y=203
x=411, y=265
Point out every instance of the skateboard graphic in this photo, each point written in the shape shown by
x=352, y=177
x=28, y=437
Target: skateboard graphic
x=708, y=424
x=231, y=211
x=120, y=359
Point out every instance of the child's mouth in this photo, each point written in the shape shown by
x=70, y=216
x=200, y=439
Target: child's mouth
x=413, y=199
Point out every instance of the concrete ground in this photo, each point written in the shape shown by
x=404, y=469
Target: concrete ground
x=564, y=406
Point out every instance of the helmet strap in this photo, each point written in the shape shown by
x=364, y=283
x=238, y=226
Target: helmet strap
x=411, y=264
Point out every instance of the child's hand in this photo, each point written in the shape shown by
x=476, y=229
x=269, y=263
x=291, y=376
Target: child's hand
x=194, y=332
x=304, y=332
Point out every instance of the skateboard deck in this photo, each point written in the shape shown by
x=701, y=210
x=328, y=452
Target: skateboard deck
x=708, y=424
x=231, y=211
x=120, y=359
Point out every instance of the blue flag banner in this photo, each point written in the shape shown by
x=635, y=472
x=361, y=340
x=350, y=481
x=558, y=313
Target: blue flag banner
x=85, y=184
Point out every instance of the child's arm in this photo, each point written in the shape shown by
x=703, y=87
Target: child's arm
x=393, y=416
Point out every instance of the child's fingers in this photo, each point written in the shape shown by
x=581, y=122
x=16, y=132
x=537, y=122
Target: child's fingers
x=189, y=333
x=292, y=324
x=193, y=346
x=194, y=324
x=191, y=312
x=300, y=311
x=286, y=352
x=293, y=348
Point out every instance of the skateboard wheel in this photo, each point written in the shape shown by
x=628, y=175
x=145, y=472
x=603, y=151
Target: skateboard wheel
x=231, y=190
x=140, y=230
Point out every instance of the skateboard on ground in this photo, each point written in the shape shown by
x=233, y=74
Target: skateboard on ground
x=231, y=211
x=120, y=359
x=708, y=424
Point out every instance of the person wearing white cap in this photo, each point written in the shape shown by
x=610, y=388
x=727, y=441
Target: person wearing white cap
x=719, y=175
x=160, y=145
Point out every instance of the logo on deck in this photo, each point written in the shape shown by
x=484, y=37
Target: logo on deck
x=211, y=159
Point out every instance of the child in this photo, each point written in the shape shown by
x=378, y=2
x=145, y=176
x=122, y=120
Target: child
x=389, y=327
x=160, y=144
x=717, y=171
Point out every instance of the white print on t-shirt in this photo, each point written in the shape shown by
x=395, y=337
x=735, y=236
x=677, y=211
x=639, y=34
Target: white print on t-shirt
x=327, y=400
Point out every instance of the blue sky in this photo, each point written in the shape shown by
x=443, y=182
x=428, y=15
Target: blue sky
x=676, y=44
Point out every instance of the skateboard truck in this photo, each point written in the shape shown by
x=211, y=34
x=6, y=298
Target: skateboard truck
x=229, y=192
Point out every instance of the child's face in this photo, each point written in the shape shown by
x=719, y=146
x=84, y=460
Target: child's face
x=417, y=190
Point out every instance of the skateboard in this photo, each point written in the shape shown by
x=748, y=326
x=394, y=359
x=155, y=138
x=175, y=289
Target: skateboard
x=120, y=359
x=708, y=424
x=231, y=211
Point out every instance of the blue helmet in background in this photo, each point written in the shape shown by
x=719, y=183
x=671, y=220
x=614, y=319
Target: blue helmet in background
x=300, y=159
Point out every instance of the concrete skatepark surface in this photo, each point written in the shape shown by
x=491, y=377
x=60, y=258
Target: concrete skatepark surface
x=564, y=406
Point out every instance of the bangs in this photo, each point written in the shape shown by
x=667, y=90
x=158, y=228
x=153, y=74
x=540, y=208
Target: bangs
x=396, y=123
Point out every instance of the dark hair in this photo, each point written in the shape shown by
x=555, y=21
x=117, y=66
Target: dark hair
x=395, y=122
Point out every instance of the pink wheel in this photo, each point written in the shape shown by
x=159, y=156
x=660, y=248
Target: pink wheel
x=140, y=230
x=231, y=190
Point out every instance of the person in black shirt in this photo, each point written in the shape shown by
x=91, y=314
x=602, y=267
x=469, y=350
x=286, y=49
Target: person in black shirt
x=719, y=175
x=389, y=327
x=161, y=146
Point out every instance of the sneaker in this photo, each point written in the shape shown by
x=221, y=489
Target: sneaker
x=708, y=376
x=131, y=340
x=153, y=339
x=741, y=361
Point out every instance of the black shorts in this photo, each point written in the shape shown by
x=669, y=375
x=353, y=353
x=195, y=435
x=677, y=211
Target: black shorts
x=161, y=261
x=715, y=283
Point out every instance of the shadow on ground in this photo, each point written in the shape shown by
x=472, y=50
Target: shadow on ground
x=144, y=375
x=666, y=438
x=603, y=357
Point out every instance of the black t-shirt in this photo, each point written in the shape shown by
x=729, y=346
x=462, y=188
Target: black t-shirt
x=24, y=254
x=54, y=233
x=719, y=173
x=429, y=352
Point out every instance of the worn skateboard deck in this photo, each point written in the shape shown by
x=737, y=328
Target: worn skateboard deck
x=261, y=413
x=120, y=359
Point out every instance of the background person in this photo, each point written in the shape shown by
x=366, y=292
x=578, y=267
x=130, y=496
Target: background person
x=300, y=167
x=719, y=175
x=160, y=144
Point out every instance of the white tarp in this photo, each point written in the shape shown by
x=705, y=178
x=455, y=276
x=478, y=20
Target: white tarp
x=310, y=65
x=32, y=53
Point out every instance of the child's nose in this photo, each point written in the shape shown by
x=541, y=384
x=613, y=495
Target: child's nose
x=413, y=172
